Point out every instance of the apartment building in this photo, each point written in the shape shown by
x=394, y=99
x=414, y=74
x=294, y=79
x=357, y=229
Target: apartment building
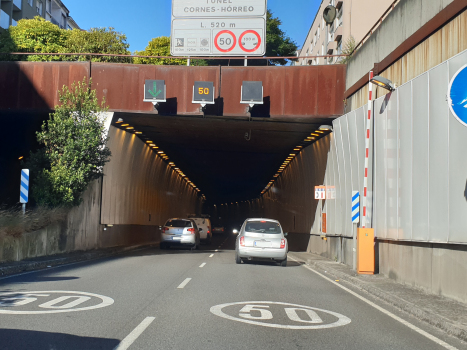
x=354, y=18
x=55, y=11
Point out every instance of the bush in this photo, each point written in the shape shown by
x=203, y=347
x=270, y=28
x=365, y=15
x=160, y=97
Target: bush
x=75, y=149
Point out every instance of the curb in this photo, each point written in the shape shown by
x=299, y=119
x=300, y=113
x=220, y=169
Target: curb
x=86, y=256
x=406, y=306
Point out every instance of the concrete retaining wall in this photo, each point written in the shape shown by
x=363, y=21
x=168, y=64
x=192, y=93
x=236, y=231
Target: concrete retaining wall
x=436, y=268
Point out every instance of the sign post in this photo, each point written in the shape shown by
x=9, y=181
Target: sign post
x=355, y=221
x=24, y=189
x=218, y=28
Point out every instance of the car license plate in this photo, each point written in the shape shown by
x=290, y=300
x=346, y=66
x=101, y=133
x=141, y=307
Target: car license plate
x=262, y=244
x=176, y=238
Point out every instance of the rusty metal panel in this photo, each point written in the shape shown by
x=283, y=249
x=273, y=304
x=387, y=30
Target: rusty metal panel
x=122, y=86
x=291, y=92
x=35, y=85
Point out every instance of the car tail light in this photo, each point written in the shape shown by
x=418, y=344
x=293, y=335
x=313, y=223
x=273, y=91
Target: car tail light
x=209, y=231
x=191, y=230
x=164, y=229
x=282, y=243
x=242, y=241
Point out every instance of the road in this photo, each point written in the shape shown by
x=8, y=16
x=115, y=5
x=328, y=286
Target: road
x=175, y=299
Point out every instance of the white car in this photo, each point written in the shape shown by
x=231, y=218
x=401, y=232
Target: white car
x=261, y=239
x=180, y=232
x=204, y=226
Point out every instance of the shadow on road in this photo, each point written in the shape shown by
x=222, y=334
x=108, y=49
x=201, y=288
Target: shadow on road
x=16, y=339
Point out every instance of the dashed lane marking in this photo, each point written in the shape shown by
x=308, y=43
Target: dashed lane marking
x=130, y=338
x=216, y=250
x=384, y=311
x=211, y=255
x=184, y=283
x=202, y=265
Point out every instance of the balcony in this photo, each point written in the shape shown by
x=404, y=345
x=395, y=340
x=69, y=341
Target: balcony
x=4, y=20
x=332, y=46
x=17, y=5
x=338, y=33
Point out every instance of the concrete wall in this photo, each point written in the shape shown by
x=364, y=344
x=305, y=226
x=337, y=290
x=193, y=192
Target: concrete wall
x=406, y=18
x=436, y=268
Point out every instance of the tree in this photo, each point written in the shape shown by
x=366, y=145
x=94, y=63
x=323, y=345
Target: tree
x=40, y=36
x=277, y=42
x=75, y=149
x=160, y=46
x=98, y=40
x=33, y=35
x=349, y=47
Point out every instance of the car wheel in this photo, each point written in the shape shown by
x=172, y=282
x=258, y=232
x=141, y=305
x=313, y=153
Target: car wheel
x=238, y=260
x=284, y=262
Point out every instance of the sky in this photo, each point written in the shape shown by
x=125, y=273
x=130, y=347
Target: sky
x=142, y=20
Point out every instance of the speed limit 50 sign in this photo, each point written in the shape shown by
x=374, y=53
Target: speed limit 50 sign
x=214, y=28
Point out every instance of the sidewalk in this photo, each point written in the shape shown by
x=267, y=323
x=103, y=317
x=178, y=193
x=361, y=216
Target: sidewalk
x=11, y=268
x=448, y=315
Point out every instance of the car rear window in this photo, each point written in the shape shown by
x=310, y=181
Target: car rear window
x=263, y=227
x=178, y=223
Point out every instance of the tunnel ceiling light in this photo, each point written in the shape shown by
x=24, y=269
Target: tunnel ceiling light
x=296, y=149
x=383, y=82
x=20, y=157
x=149, y=141
x=130, y=128
x=319, y=132
x=325, y=127
x=120, y=120
x=125, y=124
x=313, y=134
x=152, y=145
x=299, y=146
x=160, y=152
x=292, y=154
x=138, y=132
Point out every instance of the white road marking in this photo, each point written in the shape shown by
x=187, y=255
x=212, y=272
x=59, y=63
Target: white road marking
x=202, y=265
x=384, y=311
x=216, y=250
x=24, y=298
x=184, y=283
x=130, y=338
x=211, y=255
x=259, y=306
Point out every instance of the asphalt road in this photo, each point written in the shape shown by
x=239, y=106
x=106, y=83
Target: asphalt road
x=176, y=299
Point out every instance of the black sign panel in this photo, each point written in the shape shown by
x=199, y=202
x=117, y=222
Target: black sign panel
x=252, y=92
x=203, y=92
x=154, y=91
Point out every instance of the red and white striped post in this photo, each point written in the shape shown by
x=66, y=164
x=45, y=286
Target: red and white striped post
x=367, y=149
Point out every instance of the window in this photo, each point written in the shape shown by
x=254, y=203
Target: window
x=48, y=6
x=39, y=7
x=263, y=227
x=31, y=2
x=178, y=223
x=63, y=24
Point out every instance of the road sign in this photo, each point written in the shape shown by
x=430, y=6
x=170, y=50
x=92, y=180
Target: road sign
x=218, y=37
x=355, y=207
x=154, y=91
x=252, y=92
x=320, y=192
x=218, y=8
x=457, y=95
x=24, y=188
x=203, y=92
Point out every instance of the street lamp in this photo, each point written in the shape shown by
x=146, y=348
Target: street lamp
x=383, y=82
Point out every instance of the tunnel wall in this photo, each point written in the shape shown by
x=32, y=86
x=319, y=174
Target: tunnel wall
x=136, y=183
x=417, y=196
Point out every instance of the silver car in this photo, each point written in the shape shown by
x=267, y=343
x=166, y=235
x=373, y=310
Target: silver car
x=261, y=239
x=180, y=232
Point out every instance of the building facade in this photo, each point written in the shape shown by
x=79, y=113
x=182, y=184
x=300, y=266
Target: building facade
x=52, y=10
x=354, y=19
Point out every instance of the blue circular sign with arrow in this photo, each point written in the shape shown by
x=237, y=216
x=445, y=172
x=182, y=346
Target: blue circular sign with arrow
x=457, y=95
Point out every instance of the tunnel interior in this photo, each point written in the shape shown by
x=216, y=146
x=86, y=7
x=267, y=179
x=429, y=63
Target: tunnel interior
x=229, y=160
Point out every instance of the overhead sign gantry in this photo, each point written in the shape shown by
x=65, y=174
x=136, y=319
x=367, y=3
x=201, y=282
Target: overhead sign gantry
x=218, y=27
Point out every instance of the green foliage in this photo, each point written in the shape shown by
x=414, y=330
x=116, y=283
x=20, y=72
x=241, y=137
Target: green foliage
x=348, y=49
x=98, y=40
x=33, y=35
x=38, y=35
x=160, y=46
x=277, y=42
x=75, y=148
